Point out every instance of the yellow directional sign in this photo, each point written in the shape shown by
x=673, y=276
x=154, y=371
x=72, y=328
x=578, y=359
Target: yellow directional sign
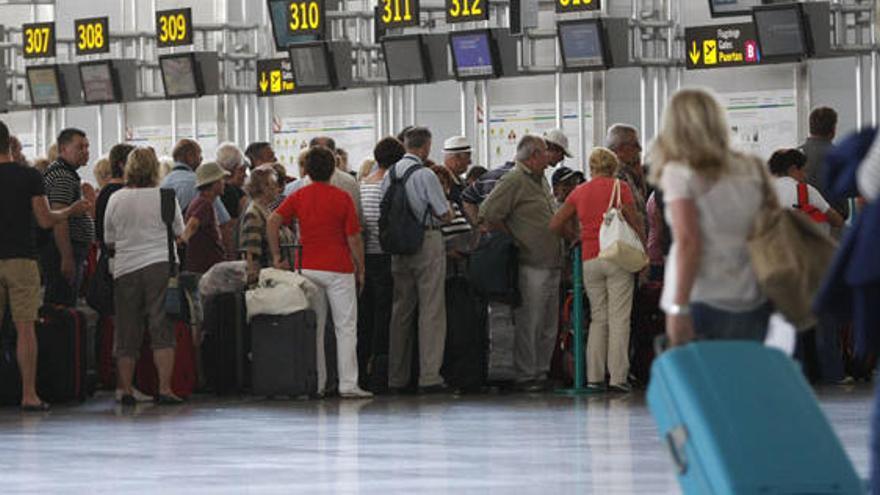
x=274, y=77
x=724, y=45
x=694, y=54
x=710, y=52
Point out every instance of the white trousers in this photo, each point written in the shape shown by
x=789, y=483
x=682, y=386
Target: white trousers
x=341, y=291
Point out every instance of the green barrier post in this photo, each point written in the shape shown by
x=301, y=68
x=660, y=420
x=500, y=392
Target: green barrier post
x=577, y=324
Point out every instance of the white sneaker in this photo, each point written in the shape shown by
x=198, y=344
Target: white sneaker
x=137, y=394
x=355, y=393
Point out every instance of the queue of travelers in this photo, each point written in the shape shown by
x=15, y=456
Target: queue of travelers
x=691, y=212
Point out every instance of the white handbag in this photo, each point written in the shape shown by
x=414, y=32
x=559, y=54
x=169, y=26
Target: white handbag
x=618, y=242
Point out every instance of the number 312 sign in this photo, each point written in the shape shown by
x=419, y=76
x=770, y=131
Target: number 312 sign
x=467, y=10
x=577, y=5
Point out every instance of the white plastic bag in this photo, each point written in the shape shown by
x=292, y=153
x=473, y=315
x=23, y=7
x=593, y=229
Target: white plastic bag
x=278, y=292
x=618, y=242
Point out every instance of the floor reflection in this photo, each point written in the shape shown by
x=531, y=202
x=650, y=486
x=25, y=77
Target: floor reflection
x=543, y=443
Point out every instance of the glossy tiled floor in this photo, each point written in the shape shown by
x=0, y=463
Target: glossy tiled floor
x=473, y=444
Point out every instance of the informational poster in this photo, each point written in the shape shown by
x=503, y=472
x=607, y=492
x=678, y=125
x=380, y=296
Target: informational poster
x=159, y=137
x=509, y=123
x=762, y=122
x=354, y=133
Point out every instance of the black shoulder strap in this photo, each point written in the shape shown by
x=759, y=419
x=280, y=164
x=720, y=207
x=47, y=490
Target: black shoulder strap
x=168, y=211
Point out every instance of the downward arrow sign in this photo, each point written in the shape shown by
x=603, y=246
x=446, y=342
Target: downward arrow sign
x=694, y=53
x=264, y=83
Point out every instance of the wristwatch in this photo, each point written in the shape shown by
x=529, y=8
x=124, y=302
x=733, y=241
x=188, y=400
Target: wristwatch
x=679, y=310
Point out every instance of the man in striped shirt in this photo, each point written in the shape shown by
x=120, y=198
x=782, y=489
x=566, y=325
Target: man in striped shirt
x=474, y=195
x=63, y=257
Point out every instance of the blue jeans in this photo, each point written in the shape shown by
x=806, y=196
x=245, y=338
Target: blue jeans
x=711, y=323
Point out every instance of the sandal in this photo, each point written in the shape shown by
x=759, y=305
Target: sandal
x=41, y=407
x=168, y=400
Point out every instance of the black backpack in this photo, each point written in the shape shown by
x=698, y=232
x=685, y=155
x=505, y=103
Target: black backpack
x=400, y=230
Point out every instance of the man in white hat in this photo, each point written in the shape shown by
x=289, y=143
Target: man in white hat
x=457, y=158
x=557, y=150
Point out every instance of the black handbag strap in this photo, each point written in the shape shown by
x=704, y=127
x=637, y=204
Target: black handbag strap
x=168, y=213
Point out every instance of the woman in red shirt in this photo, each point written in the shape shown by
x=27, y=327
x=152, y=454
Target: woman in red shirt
x=609, y=287
x=332, y=254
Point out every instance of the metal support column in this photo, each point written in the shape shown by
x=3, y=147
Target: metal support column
x=486, y=153
x=195, y=119
x=557, y=80
x=581, y=116
x=381, y=126
x=413, y=97
x=860, y=104
x=802, y=98
x=643, y=102
x=392, y=112
x=462, y=102
x=600, y=118
x=100, y=123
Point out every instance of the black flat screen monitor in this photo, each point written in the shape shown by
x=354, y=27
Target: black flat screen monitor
x=474, y=54
x=278, y=12
x=180, y=76
x=98, y=82
x=312, y=66
x=582, y=44
x=44, y=85
x=727, y=8
x=782, y=32
x=405, y=60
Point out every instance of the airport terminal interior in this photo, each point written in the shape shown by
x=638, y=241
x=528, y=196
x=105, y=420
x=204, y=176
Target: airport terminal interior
x=439, y=246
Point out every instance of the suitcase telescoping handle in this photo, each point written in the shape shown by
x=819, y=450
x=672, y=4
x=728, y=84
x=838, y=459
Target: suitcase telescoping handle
x=294, y=254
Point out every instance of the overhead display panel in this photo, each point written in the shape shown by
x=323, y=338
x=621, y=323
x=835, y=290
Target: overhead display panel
x=474, y=54
x=726, y=8
x=92, y=35
x=99, y=82
x=274, y=77
x=563, y=6
x=174, y=28
x=180, y=76
x=467, y=10
x=38, y=40
x=719, y=46
x=44, y=86
x=398, y=13
x=406, y=60
x=583, y=45
x=312, y=67
x=279, y=12
x=782, y=32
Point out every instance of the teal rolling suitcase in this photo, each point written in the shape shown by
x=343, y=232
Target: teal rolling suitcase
x=740, y=419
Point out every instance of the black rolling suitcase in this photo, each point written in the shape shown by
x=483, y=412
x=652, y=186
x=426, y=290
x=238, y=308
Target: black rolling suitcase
x=284, y=354
x=465, y=361
x=226, y=345
x=61, y=366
